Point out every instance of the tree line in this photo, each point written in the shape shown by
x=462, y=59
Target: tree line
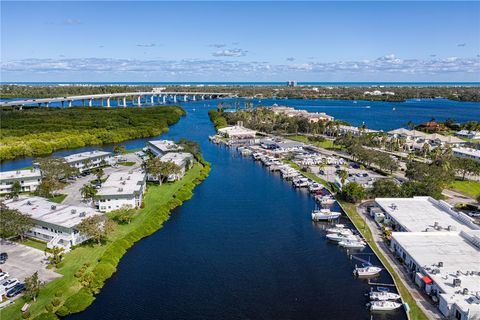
x=41, y=131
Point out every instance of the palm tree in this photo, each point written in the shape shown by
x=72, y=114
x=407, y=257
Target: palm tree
x=88, y=191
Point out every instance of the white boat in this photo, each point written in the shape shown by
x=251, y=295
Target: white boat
x=339, y=228
x=324, y=214
x=327, y=200
x=352, y=244
x=384, y=305
x=337, y=237
x=383, y=296
x=367, y=271
x=300, y=183
x=315, y=187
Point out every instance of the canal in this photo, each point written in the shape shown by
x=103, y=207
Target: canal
x=244, y=247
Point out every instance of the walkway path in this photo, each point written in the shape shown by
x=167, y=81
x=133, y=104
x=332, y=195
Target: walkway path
x=420, y=297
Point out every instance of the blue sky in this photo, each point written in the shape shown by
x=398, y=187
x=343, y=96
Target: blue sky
x=240, y=41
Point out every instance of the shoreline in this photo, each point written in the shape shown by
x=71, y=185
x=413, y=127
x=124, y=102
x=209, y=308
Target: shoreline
x=100, y=262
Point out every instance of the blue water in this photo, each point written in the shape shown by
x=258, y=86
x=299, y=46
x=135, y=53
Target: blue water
x=376, y=115
x=243, y=247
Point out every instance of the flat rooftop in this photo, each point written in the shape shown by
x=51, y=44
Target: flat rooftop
x=19, y=174
x=42, y=209
x=467, y=151
x=179, y=158
x=165, y=145
x=120, y=183
x=460, y=255
x=419, y=213
x=86, y=155
x=236, y=130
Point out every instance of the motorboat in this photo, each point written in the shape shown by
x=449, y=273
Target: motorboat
x=327, y=200
x=384, y=305
x=324, y=215
x=337, y=237
x=339, y=228
x=383, y=296
x=300, y=183
x=257, y=155
x=352, y=244
x=314, y=187
x=367, y=271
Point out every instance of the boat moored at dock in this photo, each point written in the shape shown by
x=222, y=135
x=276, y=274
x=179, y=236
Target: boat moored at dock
x=324, y=215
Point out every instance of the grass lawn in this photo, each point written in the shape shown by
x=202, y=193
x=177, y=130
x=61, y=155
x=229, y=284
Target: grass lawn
x=326, y=144
x=127, y=163
x=467, y=187
x=34, y=243
x=58, y=198
x=156, y=197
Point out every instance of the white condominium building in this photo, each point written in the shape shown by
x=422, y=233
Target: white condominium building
x=54, y=223
x=161, y=147
x=28, y=179
x=121, y=190
x=182, y=159
x=469, y=153
x=88, y=160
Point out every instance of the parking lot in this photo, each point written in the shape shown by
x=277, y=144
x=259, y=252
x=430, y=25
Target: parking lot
x=23, y=261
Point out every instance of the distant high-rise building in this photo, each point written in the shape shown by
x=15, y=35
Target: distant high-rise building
x=291, y=83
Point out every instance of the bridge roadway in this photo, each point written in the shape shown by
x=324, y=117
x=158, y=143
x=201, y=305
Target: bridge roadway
x=161, y=98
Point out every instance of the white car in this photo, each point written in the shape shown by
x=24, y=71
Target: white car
x=4, y=275
x=9, y=284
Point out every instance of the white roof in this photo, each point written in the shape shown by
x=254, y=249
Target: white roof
x=165, y=145
x=459, y=253
x=86, y=155
x=179, y=158
x=419, y=213
x=47, y=211
x=236, y=130
x=20, y=174
x=467, y=151
x=120, y=183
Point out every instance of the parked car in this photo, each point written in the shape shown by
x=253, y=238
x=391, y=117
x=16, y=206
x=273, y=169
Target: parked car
x=9, y=284
x=17, y=289
x=3, y=257
x=4, y=275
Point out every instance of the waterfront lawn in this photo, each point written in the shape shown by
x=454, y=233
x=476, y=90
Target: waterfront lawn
x=359, y=222
x=467, y=187
x=156, y=197
x=326, y=144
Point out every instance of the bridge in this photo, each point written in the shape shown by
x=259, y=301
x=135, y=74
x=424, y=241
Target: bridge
x=119, y=99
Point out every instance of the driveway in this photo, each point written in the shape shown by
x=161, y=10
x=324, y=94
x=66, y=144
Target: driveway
x=23, y=261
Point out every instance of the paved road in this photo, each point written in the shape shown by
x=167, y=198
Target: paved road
x=23, y=261
x=420, y=297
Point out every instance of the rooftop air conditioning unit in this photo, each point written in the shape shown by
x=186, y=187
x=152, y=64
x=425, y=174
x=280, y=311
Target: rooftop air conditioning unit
x=74, y=211
x=465, y=291
x=120, y=189
x=82, y=214
x=440, y=264
x=457, y=282
x=452, y=228
x=435, y=224
x=53, y=207
x=29, y=203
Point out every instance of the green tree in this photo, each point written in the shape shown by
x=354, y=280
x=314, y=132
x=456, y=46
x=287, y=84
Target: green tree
x=96, y=227
x=385, y=188
x=54, y=255
x=53, y=170
x=88, y=191
x=99, y=173
x=124, y=215
x=353, y=192
x=16, y=188
x=466, y=166
x=119, y=149
x=32, y=287
x=161, y=169
x=343, y=175
x=13, y=223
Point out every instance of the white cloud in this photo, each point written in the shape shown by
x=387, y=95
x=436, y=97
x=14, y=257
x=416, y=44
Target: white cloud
x=230, y=53
x=146, y=45
x=194, y=67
